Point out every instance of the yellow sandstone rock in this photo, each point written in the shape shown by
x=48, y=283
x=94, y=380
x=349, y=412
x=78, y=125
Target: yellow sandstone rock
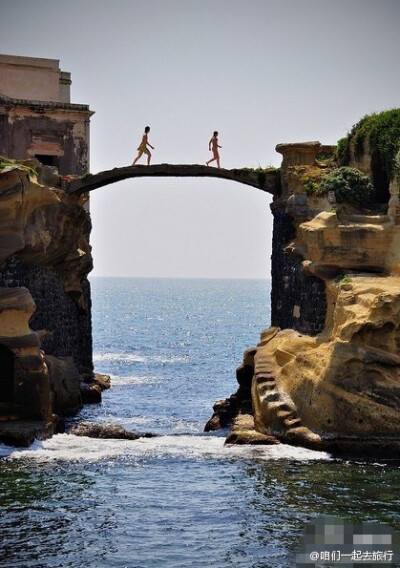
x=345, y=382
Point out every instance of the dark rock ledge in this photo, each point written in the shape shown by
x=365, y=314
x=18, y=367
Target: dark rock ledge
x=107, y=431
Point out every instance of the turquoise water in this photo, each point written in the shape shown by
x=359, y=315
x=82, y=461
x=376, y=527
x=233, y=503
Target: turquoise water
x=182, y=499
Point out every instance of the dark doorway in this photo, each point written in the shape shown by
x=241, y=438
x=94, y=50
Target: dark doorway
x=47, y=160
x=380, y=179
x=7, y=371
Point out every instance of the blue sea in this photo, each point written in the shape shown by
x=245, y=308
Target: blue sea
x=181, y=499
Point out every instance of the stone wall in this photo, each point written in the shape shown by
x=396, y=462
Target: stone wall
x=298, y=301
x=32, y=78
x=66, y=328
x=55, y=133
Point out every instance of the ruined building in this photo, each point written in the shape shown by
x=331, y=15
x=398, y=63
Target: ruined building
x=37, y=118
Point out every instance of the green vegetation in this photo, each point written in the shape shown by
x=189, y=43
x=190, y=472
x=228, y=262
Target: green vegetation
x=86, y=175
x=267, y=170
x=350, y=186
x=262, y=176
x=9, y=162
x=313, y=186
x=313, y=179
x=341, y=148
x=325, y=159
x=382, y=133
x=6, y=162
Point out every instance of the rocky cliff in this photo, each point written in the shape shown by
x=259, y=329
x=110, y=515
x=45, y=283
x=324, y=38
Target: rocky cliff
x=327, y=373
x=45, y=309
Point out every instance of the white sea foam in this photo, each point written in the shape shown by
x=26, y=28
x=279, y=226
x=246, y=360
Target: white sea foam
x=116, y=380
x=122, y=357
x=136, y=358
x=66, y=447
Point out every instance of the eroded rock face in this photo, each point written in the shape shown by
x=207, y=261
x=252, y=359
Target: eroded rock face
x=367, y=243
x=322, y=390
x=44, y=226
x=342, y=383
x=44, y=298
x=326, y=375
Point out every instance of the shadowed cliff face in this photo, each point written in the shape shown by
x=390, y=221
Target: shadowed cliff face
x=44, y=226
x=45, y=299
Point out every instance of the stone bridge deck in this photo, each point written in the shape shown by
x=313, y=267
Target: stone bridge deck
x=265, y=180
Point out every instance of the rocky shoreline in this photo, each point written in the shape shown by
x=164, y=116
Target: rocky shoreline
x=325, y=375
x=46, y=371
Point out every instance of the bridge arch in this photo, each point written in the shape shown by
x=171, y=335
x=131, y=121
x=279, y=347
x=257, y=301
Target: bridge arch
x=181, y=228
x=265, y=180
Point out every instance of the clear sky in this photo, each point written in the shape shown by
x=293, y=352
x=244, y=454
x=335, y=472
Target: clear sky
x=258, y=71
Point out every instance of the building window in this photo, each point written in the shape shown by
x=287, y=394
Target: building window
x=48, y=160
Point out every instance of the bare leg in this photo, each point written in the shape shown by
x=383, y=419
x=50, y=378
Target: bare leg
x=215, y=158
x=137, y=157
x=148, y=158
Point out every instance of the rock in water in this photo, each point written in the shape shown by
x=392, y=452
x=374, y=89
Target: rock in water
x=243, y=433
x=106, y=431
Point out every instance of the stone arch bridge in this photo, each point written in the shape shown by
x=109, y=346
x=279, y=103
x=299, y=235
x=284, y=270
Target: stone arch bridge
x=265, y=180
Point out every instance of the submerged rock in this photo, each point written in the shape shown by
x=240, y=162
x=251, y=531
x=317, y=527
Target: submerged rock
x=107, y=431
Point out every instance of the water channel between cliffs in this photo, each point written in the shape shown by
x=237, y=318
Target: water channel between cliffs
x=181, y=499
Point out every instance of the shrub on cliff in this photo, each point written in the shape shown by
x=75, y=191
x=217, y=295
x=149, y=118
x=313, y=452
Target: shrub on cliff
x=382, y=134
x=350, y=186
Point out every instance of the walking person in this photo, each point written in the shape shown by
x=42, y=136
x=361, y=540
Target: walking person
x=213, y=146
x=143, y=147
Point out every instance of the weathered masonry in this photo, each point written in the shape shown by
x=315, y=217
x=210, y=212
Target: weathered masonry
x=37, y=118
